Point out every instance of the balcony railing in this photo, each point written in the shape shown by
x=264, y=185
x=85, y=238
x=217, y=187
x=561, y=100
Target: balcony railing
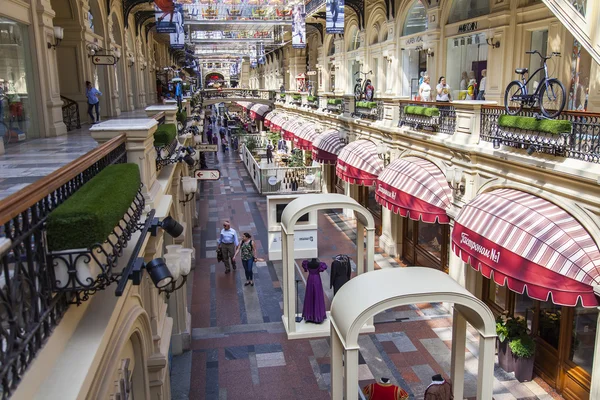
x=582, y=143
x=238, y=93
x=70, y=111
x=29, y=309
x=444, y=123
x=372, y=110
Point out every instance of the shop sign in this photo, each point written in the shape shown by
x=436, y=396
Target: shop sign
x=207, y=174
x=207, y=147
x=104, y=60
x=468, y=27
x=414, y=40
x=303, y=240
x=273, y=180
x=492, y=254
x=310, y=73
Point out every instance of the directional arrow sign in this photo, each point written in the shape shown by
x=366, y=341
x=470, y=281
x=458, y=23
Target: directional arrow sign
x=207, y=147
x=208, y=174
x=104, y=60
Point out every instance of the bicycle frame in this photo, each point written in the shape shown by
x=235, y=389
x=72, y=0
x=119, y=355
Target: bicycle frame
x=526, y=82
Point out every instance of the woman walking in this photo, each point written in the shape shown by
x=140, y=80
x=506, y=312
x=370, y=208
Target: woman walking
x=248, y=252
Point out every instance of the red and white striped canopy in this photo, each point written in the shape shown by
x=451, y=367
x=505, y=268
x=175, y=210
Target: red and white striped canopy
x=268, y=117
x=277, y=121
x=245, y=105
x=528, y=243
x=415, y=188
x=327, y=146
x=288, y=128
x=258, y=110
x=359, y=163
x=304, y=136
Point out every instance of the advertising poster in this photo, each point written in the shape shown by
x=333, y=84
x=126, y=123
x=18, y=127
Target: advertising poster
x=260, y=49
x=177, y=40
x=335, y=17
x=298, y=27
x=169, y=21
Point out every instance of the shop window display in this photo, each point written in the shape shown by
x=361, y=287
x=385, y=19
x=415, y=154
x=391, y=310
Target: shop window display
x=416, y=19
x=426, y=244
x=539, y=42
x=549, y=323
x=466, y=62
x=497, y=294
x=583, y=337
x=467, y=9
x=579, y=87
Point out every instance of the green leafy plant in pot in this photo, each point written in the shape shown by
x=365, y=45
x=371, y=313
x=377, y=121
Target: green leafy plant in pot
x=507, y=329
x=523, y=352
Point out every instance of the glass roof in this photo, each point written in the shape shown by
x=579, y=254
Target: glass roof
x=416, y=19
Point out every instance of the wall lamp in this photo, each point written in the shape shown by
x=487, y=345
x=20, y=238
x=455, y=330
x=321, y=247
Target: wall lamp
x=430, y=53
x=117, y=53
x=343, y=136
x=383, y=152
x=59, y=34
x=532, y=149
x=92, y=49
x=189, y=186
x=454, y=177
x=494, y=43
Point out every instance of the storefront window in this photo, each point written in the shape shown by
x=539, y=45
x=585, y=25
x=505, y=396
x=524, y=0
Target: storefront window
x=410, y=228
x=467, y=58
x=416, y=19
x=525, y=308
x=549, y=323
x=585, y=321
x=579, y=88
x=414, y=62
x=467, y=9
x=497, y=294
x=17, y=101
x=539, y=42
x=430, y=238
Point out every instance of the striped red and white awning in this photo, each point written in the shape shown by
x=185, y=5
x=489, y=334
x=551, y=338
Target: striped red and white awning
x=327, y=146
x=258, y=110
x=268, y=117
x=288, y=128
x=528, y=243
x=415, y=188
x=304, y=136
x=359, y=163
x=245, y=105
x=277, y=122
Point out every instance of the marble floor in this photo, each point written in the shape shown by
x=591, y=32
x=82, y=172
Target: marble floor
x=25, y=162
x=239, y=347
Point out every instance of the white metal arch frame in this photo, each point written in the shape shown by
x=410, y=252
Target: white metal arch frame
x=389, y=288
x=292, y=212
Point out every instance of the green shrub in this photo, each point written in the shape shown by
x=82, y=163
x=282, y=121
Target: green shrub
x=296, y=97
x=91, y=213
x=423, y=111
x=312, y=98
x=522, y=347
x=552, y=126
x=181, y=116
x=510, y=327
x=366, y=104
x=165, y=134
x=334, y=102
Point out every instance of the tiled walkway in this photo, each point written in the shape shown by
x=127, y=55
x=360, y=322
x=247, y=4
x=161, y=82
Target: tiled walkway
x=26, y=162
x=239, y=346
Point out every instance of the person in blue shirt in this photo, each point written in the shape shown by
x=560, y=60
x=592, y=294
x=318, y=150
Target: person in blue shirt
x=179, y=94
x=227, y=243
x=93, y=102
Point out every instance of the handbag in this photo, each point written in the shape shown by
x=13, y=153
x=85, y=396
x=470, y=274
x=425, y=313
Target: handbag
x=219, y=255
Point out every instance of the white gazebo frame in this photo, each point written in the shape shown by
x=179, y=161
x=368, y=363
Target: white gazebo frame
x=364, y=296
x=292, y=212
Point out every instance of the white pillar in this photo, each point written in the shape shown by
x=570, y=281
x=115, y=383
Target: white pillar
x=360, y=247
x=457, y=363
x=290, y=288
x=595, y=378
x=485, y=376
x=370, y=249
x=351, y=374
x=337, y=367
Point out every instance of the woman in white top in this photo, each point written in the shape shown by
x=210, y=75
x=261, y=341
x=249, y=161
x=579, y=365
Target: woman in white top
x=481, y=94
x=425, y=90
x=443, y=90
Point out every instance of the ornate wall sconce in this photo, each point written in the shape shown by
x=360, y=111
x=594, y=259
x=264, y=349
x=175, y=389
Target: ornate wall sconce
x=130, y=60
x=430, y=52
x=92, y=49
x=454, y=177
x=58, y=37
x=117, y=53
x=189, y=186
x=179, y=263
x=494, y=43
x=383, y=152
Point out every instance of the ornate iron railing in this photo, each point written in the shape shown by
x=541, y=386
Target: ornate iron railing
x=70, y=111
x=29, y=309
x=237, y=94
x=445, y=123
x=367, y=112
x=313, y=5
x=582, y=143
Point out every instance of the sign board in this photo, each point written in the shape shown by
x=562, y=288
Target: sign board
x=207, y=174
x=207, y=147
x=310, y=73
x=303, y=240
x=104, y=60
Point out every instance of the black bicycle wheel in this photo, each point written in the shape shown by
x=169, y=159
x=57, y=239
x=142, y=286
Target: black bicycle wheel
x=512, y=105
x=357, y=92
x=552, y=98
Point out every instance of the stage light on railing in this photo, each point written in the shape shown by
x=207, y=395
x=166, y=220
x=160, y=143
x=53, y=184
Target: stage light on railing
x=159, y=273
x=171, y=226
x=532, y=149
x=496, y=142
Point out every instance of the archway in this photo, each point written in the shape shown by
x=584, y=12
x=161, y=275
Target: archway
x=97, y=21
x=397, y=287
x=120, y=65
x=133, y=94
x=291, y=214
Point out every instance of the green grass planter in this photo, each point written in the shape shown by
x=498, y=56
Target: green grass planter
x=164, y=135
x=181, y=116
x=422, y=111
x=311, y=98
x=297, y=97
x=366, y=104
x=90, y=215
x=551, y=126
x=334, y=102
x=282, y=95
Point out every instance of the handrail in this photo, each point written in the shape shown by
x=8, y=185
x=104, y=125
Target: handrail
x=13, y=205
x=68, y=117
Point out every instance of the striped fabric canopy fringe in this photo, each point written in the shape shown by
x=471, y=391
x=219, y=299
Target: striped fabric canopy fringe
x=528, y=243
x=268, y=117
x=415, y=188
x=327, y=146
x=258, y=111
x=304, y=136
x=277, y=122
x=288, y=128
x=359, y=163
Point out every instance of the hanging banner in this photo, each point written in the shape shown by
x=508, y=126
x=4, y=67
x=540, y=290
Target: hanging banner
x=169, y=20
x=260, y=49
x=177, y=40
x=335, y=17
x=298, y=27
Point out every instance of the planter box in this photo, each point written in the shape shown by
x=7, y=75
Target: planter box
x=555, y=144
x=505, y=357
x=523, y=368
x=421, y=121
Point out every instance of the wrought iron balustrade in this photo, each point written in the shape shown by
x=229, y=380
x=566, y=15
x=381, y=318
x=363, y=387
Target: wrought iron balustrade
x=70, y=111
x=582, y=143
x=29, y=308
x=445, y=123
x=313, y=5
x=237, y=93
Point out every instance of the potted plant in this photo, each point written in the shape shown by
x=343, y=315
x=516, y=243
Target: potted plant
x=523, y=351
x=507, y=329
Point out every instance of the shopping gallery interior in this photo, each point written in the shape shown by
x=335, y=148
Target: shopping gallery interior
x=278, y=199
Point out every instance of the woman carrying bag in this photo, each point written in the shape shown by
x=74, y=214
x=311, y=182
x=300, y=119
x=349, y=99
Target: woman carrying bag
x=248, y=252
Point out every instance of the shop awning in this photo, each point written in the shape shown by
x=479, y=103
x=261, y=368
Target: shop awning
x=359, y=163
x=268, y=117
x=288, y=128
x=304, y=136
x=245, y=105
x=258, y=111
x=277, y=122
x=415, y=188
x=528, y=243
x=327, y=146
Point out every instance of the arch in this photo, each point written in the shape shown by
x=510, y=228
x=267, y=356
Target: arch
x=460, y=10
x=99, y=18
x=350, y=312
x=292, y=212
x=375, y=23
x=373, y=34
x=414, y=18
x=353, y=38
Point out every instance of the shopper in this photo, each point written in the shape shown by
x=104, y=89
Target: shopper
x=443, y=91
x=92, y=95
x=227, y=243
x=248, y=252
x=425, y=90
x=269, y=153
x=481, y=94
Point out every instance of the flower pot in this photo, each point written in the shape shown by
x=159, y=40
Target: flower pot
x=523, y=368
x=505, y=357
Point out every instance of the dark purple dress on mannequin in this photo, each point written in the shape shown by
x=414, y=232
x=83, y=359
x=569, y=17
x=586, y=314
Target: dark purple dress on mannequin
x=314, y=299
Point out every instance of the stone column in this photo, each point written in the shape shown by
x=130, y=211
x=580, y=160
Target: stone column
x=170, y=111
x=337, y=365
x=457, y=363
x=289, y=289
x=351, y=374
x=360, y=247
x=387, y=240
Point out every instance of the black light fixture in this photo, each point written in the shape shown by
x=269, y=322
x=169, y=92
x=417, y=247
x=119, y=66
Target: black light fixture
x=497, y=143
x=171, y=226
x=58, y=36
x=159, y=273
x=494, y=43
x=532, y=149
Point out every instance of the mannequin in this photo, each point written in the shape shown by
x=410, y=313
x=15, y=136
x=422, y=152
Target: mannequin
x=340, y=272
x=438, y=389
x=384, y=390
x=314, y=299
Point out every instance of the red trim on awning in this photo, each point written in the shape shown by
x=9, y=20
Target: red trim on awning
x=323, y=156
x=409, y=206
x=350, y=174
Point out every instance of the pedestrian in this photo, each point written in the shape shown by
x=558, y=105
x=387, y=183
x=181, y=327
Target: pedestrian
x=215, y=140
x=248, y=251
x=227, y=243
x=443, y=91
x=92, y=95
x=425, y=90
x=269, y=153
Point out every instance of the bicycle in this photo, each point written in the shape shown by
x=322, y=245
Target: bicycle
x=365, y=89
x=549, y=94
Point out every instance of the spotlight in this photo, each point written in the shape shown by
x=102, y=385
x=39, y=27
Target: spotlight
x=532, y=149
x=190, y=150
x=172, y=227
x=496, y=143
x=159, y=272
x=189, y=160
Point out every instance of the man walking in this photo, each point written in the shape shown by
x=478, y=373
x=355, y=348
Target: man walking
x=93, y=102
x=228, y=242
